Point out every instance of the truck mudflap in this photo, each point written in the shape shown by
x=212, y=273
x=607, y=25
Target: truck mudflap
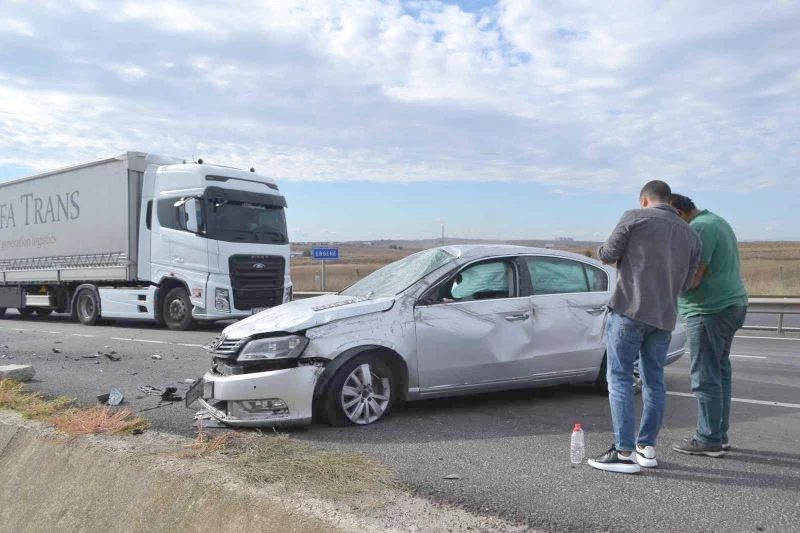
x=273, y=398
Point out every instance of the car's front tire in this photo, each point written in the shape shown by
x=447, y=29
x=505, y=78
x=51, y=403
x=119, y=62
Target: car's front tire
x=362, y=391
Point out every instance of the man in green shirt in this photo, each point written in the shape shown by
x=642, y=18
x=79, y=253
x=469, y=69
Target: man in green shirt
x=714, y=309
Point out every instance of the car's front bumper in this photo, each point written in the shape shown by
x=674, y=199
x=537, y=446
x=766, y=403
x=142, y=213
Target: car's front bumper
x=231, y=399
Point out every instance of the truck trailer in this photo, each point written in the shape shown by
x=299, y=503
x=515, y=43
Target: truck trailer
x=140, y=236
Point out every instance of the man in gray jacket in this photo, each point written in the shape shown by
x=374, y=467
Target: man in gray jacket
x=657, y=254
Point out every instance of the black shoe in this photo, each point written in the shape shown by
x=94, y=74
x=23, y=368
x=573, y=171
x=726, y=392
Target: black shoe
x=612, y=461
x=692, y=446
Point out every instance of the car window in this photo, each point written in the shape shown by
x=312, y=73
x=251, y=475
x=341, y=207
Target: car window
x=481, y=282
x=553, y=275
x=598, y=279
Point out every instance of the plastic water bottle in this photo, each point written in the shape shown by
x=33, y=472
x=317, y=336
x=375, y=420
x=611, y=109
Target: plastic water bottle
x=576, y=451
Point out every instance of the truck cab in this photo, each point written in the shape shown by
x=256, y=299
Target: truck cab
x=218, y=232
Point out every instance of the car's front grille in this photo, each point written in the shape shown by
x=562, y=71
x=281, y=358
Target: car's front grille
x=225, y=347
x=257, y=280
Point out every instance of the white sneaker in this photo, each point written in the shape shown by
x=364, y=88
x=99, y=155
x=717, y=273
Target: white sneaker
x=646, y=456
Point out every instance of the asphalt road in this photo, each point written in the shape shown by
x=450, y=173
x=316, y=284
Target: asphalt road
x=510, y=450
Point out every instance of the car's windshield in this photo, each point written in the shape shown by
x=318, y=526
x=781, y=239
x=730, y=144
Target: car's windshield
x=398, y=276
x=237, y=221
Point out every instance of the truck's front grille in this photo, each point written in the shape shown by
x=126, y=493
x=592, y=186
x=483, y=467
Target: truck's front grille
x=257, y=280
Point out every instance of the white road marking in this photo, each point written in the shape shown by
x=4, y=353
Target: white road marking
x=138, y=340
x=82, y=335
x=189, y=345
x=768, y=338
x=749, y=356
x=742, y=400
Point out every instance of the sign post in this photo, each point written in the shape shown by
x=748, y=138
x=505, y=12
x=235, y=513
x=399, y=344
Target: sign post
x=325, y=254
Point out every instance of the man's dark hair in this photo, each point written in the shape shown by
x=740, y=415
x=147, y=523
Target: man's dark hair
x=656, y=190
x=682, y=203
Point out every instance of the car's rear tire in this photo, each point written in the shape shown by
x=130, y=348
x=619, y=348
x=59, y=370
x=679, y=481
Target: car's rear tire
x=87, y=307
x=601, y=383
x=177, y=310
x=362, y=391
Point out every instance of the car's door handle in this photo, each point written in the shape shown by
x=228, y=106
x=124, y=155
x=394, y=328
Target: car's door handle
x=178, y=259
x=596, y=310
x=518, y=317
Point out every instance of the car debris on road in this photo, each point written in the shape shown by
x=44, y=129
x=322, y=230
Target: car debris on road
x=149, y=389
x=113, y=397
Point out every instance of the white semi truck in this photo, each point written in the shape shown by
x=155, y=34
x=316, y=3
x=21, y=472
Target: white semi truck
x=141, y=236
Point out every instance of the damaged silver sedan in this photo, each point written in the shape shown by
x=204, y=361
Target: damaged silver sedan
x=442, y=322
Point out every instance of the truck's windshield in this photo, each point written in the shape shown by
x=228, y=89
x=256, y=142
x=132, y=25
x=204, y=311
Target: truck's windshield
x=254, y=219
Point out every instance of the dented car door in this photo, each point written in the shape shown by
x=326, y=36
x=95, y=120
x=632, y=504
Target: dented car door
x=569, y=300
x=475, y=329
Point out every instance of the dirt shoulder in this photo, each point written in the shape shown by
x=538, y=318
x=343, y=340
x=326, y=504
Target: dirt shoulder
x=150, y=481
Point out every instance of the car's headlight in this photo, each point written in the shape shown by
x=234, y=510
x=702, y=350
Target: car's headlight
x=286, y=347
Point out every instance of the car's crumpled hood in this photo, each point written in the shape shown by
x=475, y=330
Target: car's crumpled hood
x=303, y=314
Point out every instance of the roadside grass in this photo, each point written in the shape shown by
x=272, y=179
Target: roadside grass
x=204, y=445
x=279, y=459
x=66, y=418
x=31, y=404
x=96, y=420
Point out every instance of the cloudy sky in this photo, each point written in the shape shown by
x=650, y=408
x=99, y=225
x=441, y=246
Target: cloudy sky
x=510, y=119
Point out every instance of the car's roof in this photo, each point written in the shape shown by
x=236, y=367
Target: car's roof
x=478, y=251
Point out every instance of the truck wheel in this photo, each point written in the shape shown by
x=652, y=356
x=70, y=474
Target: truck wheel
x=87, y=307
x=362, y=392
x=2, y=312
x=177, y=310
x=26, y=312
x=44, y=312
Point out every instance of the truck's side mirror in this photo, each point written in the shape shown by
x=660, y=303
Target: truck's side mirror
x=186, y=212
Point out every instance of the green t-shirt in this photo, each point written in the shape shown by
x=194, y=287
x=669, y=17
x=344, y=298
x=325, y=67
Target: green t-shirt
x=722, y=285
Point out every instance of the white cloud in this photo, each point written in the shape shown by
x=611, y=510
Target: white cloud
x=577, y=95
x=17, y=27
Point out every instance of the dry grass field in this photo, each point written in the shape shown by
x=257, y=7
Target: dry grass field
x=768, y=269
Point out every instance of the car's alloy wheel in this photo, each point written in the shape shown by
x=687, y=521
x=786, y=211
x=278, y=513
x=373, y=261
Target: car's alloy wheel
x=365, y=395
x=361, y=392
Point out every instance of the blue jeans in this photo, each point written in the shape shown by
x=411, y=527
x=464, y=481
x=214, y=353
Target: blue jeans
x=708, y=340
x=626, y=341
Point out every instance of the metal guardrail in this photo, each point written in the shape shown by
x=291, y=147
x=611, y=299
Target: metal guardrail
x=774, y=306
x=770, y=306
